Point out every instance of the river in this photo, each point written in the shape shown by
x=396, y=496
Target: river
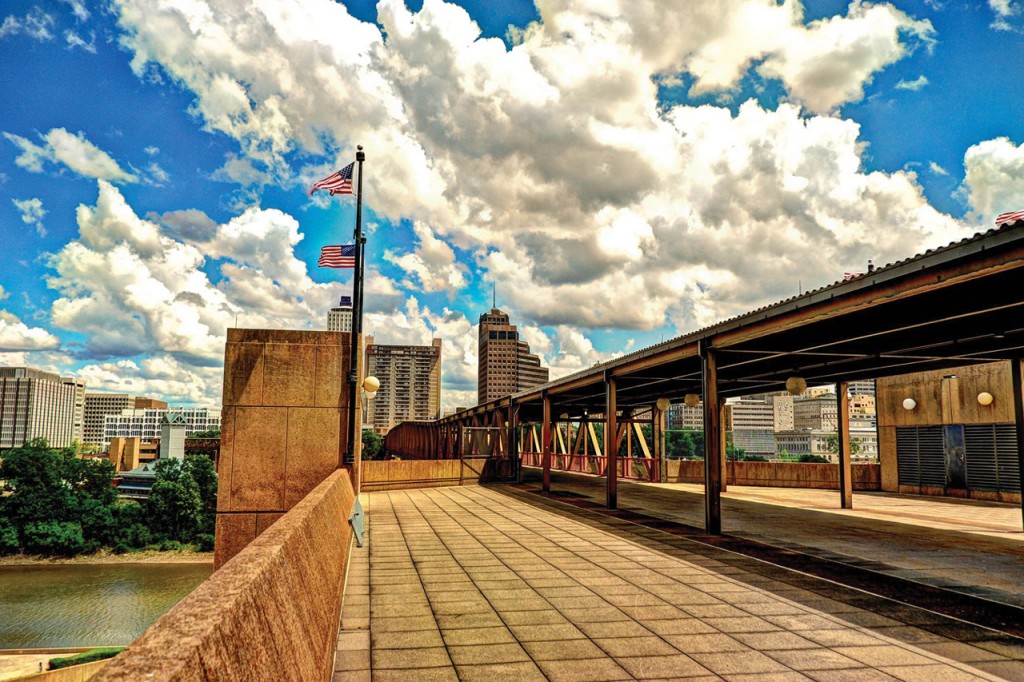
x=71, y=605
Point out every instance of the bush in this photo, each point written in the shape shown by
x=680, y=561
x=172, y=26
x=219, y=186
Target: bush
x=816, y=459
x=54, y=538
x=120, y=548
x=98, y=522
x=135, y=536
x=173, y=546
x=204, y=542
x=8, y=538
x=753, y=458
x=85, y=657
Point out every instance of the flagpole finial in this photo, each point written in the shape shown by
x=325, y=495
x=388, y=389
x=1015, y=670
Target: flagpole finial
x=360, y=155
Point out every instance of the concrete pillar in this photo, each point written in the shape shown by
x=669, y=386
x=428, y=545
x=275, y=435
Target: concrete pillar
x=845, y=465
x=1018, y=416
x=545, y=442
x=611, y=443
x=712, y=443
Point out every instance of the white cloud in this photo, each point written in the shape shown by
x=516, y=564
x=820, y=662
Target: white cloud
x=75, y=40
x=73, y=151
x=994, y=180
x=937, y=169
x=32, y=213
x=36, y=25
x=160, y=376
x=16, y=336
x=914, y=85
x=432, y=263
x=78, y=8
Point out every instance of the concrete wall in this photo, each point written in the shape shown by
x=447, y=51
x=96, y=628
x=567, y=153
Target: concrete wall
x=284, y=426
x=779, y=474
x=74, y=673
x=429, y=473
x=271, y=613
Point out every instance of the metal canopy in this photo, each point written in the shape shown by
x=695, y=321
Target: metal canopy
x=961, y=304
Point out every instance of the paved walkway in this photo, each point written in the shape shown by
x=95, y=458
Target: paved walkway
x=490, y=583
x=969, y=546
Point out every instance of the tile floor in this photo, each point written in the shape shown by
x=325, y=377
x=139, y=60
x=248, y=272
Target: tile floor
x=480, y=583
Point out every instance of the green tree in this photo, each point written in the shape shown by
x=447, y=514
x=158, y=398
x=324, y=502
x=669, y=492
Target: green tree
x=373, y=445
x=201, y=468
x=53, y=538
x=212, y=433
x=9, y=543
x=174, y=508
x=814, y=459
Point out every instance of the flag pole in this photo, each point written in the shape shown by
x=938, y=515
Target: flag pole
x=355, y=429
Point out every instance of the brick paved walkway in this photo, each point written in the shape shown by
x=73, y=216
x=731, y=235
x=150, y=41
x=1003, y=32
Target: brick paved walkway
x=479, y=583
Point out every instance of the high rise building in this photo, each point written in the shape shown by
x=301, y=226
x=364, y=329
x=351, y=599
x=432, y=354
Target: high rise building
x=340, y=319
x=820, y=413
x=505, y=364
x=38, y=404
x=410, y=383
x=98, y=406
x=862, y=387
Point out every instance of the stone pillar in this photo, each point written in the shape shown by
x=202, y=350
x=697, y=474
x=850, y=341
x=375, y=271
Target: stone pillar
x=284, y=426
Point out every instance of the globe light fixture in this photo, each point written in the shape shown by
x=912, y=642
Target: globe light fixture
x=796, y=385
x=985, y=398
x=691, y=400
x=663, y=404
x=564, y=415
x=909, y=403
x=370, y=385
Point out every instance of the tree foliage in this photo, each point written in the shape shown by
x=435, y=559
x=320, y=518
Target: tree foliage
x=55, y=503
x=373, y=445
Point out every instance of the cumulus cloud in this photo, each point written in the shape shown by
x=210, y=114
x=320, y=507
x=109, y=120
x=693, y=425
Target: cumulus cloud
x=73, y=151
x=16, y=336
x=32, y=213
x=553, y=164
x=159, y=376
x=994, y=179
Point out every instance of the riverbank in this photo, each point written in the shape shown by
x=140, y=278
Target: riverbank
x=105, y=556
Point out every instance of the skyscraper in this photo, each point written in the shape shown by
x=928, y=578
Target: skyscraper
x=340, y=319
x=410, y=383
x=38, y=404
x=505, y=364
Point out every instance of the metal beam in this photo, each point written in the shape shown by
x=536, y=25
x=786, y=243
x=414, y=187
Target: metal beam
x=611, y=446
x=545, y=439
x=712, y=444
x=843, y=436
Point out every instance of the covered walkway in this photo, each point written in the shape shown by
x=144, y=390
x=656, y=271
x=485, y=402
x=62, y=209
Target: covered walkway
x=499, y=583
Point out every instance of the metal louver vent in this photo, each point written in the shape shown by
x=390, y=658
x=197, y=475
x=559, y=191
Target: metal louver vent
x=980, y=447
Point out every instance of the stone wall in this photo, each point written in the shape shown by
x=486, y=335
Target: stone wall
x=779, y=474
x=270, y=613
x=284, y=426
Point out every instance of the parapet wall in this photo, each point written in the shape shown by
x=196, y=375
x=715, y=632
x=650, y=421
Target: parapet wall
x=270, y=613
x=779, y=474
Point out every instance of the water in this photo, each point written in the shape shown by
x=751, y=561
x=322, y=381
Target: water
x=70, y=605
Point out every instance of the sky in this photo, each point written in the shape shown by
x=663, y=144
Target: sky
x=620, y=171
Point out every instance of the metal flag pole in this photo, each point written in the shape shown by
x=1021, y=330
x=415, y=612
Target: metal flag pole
x=354, y=429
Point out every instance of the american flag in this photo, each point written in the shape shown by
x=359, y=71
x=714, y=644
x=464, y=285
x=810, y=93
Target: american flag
x=336, y=183
x=338, y=256
x=1011, y=217
x=847, y=276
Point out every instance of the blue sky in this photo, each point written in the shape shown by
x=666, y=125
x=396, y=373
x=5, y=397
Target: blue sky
x=623, y=172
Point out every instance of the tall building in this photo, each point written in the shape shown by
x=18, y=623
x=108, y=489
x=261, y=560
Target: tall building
x=98, y=406
x=410, y=383
x=862, y=387
x=145, y=423
x=820, y=413
x=505, y=364
x=340, y=319
x=38, y=404
x=753, y=423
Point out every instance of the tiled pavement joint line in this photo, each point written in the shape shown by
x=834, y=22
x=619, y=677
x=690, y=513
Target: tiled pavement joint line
x=1006, y=614
x=838, y=622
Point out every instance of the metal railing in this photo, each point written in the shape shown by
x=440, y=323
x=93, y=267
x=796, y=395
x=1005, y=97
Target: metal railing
x=637, y=468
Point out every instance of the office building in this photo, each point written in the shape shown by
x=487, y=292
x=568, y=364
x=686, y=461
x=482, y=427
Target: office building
x=505, y=364
x=145, y=423
x=38, y=404
x=340, y=319
x=98, y=406
x=820, y=413
x=410, y=384
x=862, y=387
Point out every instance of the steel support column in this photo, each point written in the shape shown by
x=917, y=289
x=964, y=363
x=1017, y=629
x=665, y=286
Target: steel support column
x=611, y=443
x=712, y=442
x=545, y=442
x=843, y=436
x=658, y=436
x=1018, y=417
